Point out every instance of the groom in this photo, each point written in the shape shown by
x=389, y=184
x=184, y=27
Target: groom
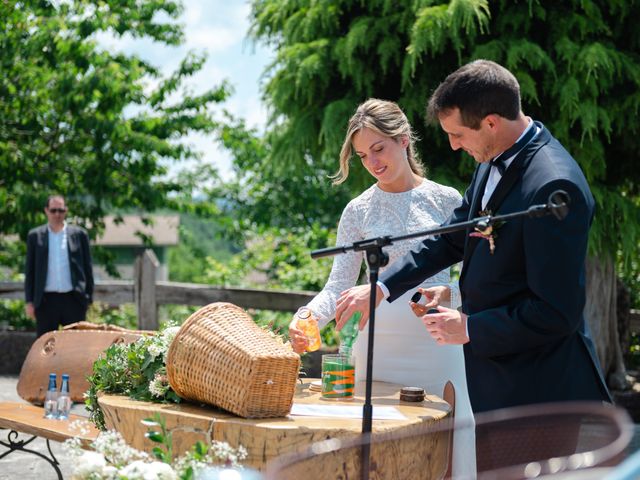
x=522, y=284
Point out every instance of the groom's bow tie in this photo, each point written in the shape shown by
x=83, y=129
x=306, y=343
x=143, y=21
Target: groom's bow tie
x=498, y=162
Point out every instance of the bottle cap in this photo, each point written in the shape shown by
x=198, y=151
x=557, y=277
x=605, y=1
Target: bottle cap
x=65, y=376
x=52, y=375
x=412, y=394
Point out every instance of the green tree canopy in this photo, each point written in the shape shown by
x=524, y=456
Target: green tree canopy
x=267, y=193
x=577, y=63
x=97, y=126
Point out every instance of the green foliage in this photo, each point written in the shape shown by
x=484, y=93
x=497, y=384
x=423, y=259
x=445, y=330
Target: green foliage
x=577, y=62
x=163, y=437
x=13, y=317
x=174, y=314
x=137, y=370
x=99, y=127
x=376, y=49
x=279, y=260
x=199, y=238
x=124, y=315
x=272, y=194
x=632, y=357
x=437, y=27
x=198, y=457
x=276, y=259
x=12, y=254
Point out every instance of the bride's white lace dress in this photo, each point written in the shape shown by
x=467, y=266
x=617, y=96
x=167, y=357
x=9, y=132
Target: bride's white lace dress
x=404, y=352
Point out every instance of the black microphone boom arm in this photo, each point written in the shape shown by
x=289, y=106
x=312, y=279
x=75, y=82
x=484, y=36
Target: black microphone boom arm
x=557, y=205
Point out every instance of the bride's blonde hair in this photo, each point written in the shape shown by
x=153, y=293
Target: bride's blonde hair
x=385, y=118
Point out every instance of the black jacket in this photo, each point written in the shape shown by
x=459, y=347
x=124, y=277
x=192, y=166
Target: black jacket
x=37, y=262
x=528, y=339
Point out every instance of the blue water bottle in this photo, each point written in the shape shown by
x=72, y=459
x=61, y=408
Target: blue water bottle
x=64, y=400
x=51, y=398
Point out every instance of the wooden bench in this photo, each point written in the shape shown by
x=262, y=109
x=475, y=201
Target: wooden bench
x=29, y=419
x=72, y=351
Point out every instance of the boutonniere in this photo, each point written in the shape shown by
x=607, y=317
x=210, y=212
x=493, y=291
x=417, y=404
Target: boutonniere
x=487, y=230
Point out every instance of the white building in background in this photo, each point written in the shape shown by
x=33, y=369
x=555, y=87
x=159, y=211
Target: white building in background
x=126, y=241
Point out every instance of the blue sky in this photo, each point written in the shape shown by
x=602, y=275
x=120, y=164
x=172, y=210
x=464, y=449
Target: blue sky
x=219, y=28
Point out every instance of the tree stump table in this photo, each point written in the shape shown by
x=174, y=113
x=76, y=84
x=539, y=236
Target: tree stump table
x=411, y=450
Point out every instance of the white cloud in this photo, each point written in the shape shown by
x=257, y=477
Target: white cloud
x=213, y=40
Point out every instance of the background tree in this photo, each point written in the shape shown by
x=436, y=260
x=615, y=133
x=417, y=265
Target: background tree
x=268, y=193
x=97, y=126
x=577, y=63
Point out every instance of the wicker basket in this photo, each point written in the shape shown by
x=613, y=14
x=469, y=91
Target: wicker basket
x=221, y=357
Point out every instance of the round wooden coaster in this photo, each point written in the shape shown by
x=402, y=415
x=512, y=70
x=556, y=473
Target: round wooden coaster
x=315, y=386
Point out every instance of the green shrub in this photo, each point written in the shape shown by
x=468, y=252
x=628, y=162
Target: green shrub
x=13, y=317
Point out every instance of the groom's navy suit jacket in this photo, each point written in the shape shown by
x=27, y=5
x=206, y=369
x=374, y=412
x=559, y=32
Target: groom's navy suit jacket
x=528, y=339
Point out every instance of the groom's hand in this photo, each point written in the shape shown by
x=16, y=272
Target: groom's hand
x=434, y=296
x=447, y=327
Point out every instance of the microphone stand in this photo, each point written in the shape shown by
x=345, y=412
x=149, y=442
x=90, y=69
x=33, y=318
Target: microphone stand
x=557, y=206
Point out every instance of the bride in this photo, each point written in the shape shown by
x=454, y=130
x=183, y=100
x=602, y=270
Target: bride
x=402, y=200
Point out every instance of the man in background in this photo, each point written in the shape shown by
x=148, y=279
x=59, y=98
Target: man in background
x=58, y=272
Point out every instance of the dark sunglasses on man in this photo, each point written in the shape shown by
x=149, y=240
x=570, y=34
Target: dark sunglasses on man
x=57, y=210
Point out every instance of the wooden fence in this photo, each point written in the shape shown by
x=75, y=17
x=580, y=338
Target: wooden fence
x=147, y=294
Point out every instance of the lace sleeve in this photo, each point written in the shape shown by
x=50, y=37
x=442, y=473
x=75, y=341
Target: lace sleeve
x=345, y=269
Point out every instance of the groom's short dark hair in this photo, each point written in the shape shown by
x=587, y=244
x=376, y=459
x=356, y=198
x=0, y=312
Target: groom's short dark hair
x=477, y=89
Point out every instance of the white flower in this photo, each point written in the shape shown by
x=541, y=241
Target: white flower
x=155, y=350
x=73, y=447
x=158, y=386
x=112, y=446
x=148, y=471
x=109, y=472
x=225, y=453
x=80, y=425
x=89, y=464
x=183, y=463
x=162, y=471
x=169, y=334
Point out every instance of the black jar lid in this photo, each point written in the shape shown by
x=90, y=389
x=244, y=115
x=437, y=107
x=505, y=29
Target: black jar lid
x=412, y=394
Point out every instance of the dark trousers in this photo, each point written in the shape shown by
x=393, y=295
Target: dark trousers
x=59, y=309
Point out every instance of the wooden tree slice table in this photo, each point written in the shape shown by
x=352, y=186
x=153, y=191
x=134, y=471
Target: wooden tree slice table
x=266, y=439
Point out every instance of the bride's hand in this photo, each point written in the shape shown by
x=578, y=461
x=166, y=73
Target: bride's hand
x=298, y=339
x=434, y=296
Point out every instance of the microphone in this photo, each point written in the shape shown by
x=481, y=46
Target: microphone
x=558, y=204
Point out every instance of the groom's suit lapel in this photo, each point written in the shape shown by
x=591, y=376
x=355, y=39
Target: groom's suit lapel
x=505, y=185
x=476, y=201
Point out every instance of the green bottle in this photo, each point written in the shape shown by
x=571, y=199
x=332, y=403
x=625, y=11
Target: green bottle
x=348, y=333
